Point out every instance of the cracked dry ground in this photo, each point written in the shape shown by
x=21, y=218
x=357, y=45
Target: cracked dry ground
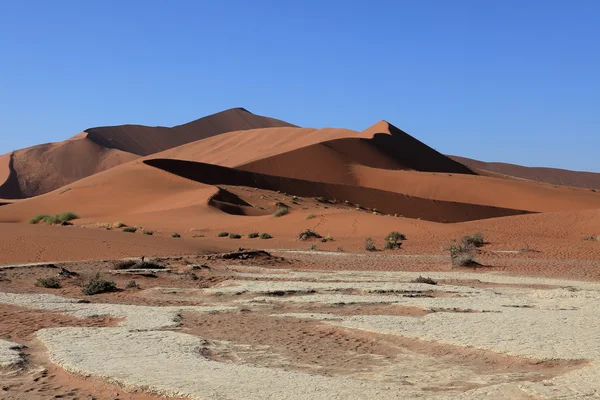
x=236, y=328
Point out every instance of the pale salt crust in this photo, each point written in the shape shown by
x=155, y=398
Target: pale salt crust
x=555, y=323
x=10, y=354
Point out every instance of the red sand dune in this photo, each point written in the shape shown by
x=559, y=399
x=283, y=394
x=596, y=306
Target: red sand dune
x=380, y=146
x=41, y=169
x=553, y=176
x=376, y=158
x=145, y=140
x=473, y=189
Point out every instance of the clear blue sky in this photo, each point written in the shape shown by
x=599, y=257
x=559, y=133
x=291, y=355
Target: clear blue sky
x=515, y=81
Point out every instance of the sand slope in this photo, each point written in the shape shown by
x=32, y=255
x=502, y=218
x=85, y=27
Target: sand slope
x=553, y=176
x=145, y=140
x=285, y=151
x=41, y=169
x=473, y=189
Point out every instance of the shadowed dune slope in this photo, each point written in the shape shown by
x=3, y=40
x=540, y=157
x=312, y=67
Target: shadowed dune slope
x=474, y=189
x=126, y=189
x=41, y=169
x=9, y=184
x=323, y=155
x=553, y=176
x=384, y=201
x=381, y=146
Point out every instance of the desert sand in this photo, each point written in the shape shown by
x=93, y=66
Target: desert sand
x=326, y=318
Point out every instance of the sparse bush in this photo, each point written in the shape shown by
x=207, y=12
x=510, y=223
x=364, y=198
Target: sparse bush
x=370, y=244
x=124, y=264
x=175, y=235
x=308, y=234
x=148, y=265
x=223, y=234
x=422, y=279
x=313, y=247
x=321, y=199
x=148, y=233
x=463, y=259
x=53, y=219
x=48, y=283
x=118, y=225
x=310, y=216
x=198, y=236
x=188, y=276
x=281, y=211
x=131, y=264
x=395, y=236
x=590, y=238
x=392, y=245
x=130, y=229
x=66, y=216
x=97, y=285
x=253, y=235
x=329, y=238
x=476, y=240
x=38, y=218
x=265, y=236
x=132, y=285
x=234, y=236
x=462, y=255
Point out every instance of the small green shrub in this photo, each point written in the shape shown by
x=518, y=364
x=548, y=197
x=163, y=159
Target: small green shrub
x=370, y=244
x=310, y=216
x=253, y=235
x=97, y=285
x=223, y=234
x=234, y=236
x=476, y=240
x=48, y=283
x=66, y=216
x=176, y=235
x=130, y=229
x=63, y=217
x=265, y=236
x=38, y=218
x=281, y=211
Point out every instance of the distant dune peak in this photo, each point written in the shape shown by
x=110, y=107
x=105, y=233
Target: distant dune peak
x=40, y=169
